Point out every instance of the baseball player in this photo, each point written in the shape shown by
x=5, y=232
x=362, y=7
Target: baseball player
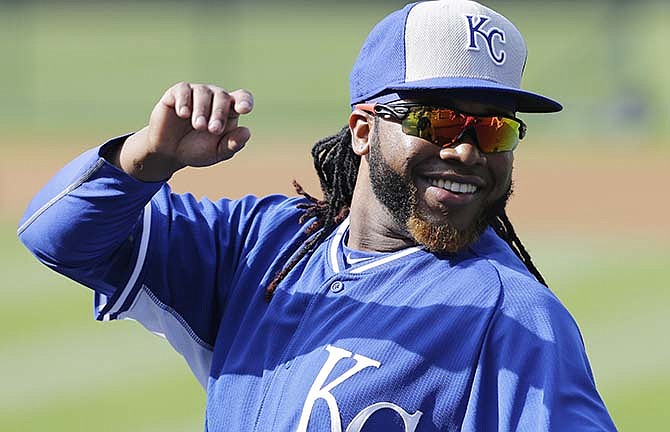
x=402, y=301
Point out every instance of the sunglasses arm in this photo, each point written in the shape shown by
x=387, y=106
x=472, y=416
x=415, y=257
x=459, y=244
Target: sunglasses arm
x=397, y=113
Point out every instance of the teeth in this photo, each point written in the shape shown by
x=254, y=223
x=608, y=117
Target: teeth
x=453, y=186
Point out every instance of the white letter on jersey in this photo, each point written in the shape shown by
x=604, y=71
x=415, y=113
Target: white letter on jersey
x=411, y=420
x=319, y=391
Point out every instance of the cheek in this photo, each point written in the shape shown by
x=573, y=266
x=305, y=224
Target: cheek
x=500, y=167
x=399, y=150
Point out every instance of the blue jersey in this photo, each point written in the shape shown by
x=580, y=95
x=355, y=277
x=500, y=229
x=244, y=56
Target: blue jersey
x=401, y=341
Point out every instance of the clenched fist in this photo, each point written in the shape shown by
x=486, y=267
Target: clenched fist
x=191, y=125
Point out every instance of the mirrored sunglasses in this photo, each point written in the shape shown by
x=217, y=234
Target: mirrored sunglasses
x=444, y=126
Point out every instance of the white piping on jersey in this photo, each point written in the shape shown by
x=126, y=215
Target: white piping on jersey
x=141, y=255
x=392, y=257
x=351, y=261
x=74, y=185
x=99, y=303
x=162, y=320
x=336, y=243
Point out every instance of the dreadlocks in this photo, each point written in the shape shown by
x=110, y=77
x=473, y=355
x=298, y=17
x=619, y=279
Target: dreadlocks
x=337, y=167
x=503, y=227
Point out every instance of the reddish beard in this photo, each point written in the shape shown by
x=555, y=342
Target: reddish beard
x=399, y=195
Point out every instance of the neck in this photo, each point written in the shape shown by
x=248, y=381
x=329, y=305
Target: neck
x=372, y=228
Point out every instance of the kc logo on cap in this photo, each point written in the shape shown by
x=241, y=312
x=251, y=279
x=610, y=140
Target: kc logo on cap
x=476, y=24
x=457, y=46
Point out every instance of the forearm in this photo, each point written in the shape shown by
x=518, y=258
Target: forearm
x=136, y=158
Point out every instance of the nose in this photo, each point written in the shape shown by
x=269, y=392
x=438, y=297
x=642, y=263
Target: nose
x=465, y=150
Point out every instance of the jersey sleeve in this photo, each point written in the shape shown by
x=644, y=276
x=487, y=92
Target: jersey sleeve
x=163, y=259
x=79, y=220
x=533, y=373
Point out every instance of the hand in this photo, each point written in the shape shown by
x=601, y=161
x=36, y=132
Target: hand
x=191, y=125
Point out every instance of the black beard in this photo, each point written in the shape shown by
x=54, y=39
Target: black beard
x=399, y=195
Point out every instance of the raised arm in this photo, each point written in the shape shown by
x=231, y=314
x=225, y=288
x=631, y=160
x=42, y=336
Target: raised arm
x=108, y=221
x=91, y=207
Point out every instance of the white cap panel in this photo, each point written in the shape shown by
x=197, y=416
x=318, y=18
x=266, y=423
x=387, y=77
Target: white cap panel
x=478, y=43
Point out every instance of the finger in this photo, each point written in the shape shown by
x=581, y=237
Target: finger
x=233, y=142
x=202, y=107
x=222, y=102
x=179, y=98
x=244, y=101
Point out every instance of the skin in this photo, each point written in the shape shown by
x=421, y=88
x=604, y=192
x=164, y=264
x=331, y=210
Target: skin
x=197, y=125
x=191, y=125
x=374, y=227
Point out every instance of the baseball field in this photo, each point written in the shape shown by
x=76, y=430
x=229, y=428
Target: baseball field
x=589, y=202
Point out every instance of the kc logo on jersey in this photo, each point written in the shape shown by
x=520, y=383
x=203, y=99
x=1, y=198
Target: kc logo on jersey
x=476, y=26
x=321, y=390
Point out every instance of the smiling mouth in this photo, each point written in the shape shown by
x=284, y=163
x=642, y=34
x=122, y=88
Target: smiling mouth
x=452, y=186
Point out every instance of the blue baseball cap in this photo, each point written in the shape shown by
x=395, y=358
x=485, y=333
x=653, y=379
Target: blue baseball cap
x=448, y=47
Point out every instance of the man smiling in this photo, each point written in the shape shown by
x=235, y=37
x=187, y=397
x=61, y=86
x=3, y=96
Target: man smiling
x=401, y=301
x=443, y=196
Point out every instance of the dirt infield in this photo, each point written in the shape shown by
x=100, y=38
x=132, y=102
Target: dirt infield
x=592, y=193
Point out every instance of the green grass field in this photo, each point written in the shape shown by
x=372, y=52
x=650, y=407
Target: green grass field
x=74, y=71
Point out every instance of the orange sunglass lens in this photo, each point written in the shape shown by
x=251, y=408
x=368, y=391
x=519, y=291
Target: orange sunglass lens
x=497, y=134
x=437, y=125
x=441, y=126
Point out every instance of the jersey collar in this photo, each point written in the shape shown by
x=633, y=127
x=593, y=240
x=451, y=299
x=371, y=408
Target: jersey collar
x=336, y=254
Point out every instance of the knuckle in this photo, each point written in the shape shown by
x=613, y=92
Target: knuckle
x=222, y=100
x=202, y=88
x=216, y=89
x=182, y=95
x=182, y=86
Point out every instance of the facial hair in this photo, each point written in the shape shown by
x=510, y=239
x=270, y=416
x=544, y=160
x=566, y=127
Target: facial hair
x=399, y=195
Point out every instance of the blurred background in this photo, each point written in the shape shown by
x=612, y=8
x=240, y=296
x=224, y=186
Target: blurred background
x=590, y=202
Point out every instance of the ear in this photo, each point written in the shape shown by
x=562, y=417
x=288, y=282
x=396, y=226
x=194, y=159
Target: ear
x=360, y=125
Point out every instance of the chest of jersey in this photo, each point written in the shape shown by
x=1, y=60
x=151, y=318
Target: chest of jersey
x=390, y=348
